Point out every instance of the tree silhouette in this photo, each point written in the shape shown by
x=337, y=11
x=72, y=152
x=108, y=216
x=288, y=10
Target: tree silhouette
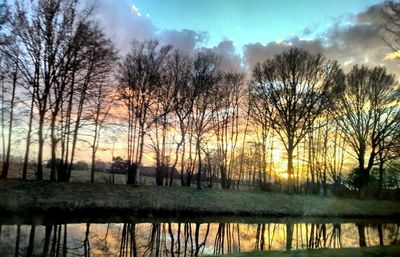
x=367, y=112
x=295, y=88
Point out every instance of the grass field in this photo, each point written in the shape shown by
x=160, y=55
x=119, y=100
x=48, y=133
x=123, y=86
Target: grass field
x=40, y=197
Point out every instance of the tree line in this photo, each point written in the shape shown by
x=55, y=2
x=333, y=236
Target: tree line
x=62, y=79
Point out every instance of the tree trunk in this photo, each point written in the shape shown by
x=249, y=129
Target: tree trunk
x=92, y=166
x=46, y=244
x=199, y=166
x=172, y=244
x=3, y=135
x=381, y=169
x=139, y=163
x=324, y=182
x=131, y=170
x=28, y=140
x=380, y=233
x=39, y=171
x=362, y=173
x=290, y=169
x=289, y=236
x=64, y=249
x=6, y=164
x=29, y=251
x=177, y=153
x=361, y=235
x=86, y=242
x=75, y=135
x=94, y=148
x=17, y=240
x=222, y=170
x=264, y=160
x=53, y=149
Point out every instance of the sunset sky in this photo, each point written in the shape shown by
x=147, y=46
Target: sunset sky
x=245, y=32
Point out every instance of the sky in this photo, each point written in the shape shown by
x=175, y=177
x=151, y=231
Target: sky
x=244, y=32
x=248, y=21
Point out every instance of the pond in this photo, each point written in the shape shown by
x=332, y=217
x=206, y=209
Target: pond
x=155, y=238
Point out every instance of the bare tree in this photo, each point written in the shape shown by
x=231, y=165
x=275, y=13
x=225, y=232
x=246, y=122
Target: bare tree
x=4, y=44
x=3, y=123
x=391, y=13
x=43, y=30
x=367, y=112
x=61, y=55
x=140, y=78
x=229, y=97
x=388, y=150
x=295, y=87
x=259, y=115
x=185, y=94
x=205, y=81
x=14, y=76
x=103, y=98
x=175, y=101
x=336, y=157
x=5, y=13
x=99, y=56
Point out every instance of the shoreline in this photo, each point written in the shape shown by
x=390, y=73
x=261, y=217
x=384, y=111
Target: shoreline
x=30, y=198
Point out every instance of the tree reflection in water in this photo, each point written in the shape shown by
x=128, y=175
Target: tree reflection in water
x=185, y=239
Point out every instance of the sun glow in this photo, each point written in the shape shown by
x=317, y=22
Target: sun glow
x=392, y=55
x=284, y=175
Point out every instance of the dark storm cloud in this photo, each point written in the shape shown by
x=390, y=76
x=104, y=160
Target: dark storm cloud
x=358, y=43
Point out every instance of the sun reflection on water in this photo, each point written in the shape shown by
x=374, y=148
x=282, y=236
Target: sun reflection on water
x=168, y=239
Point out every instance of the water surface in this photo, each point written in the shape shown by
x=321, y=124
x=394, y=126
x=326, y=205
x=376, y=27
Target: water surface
x=187, y=239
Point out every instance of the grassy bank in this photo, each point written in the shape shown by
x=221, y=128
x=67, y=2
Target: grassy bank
x=388, y=251
x=43, y=197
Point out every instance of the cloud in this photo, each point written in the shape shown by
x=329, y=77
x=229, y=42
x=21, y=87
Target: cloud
x=123, y=24
x=373, y=15
x=352, y=40
x=356, y=42
x=254, y=53
x=136, y=10
x=230, y=59
x=186, y=40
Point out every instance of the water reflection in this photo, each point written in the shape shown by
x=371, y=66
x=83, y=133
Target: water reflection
x=185, y=239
